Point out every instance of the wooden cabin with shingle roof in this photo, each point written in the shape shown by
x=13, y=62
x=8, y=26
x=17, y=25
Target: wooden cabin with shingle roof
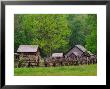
x=30, y=53
x=77, y=51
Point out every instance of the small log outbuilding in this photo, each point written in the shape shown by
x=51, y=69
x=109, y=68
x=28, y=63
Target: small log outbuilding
x=30, y=54
x=77, y=51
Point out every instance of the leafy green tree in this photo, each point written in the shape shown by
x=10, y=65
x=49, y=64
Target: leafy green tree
x=50, y=32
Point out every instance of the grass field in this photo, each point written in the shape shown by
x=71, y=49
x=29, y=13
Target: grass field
x=84, y=70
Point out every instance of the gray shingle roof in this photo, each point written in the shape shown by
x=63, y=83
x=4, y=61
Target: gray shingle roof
x=27, y=48
x=76, y=53
x=81, y=48
x=57, y=55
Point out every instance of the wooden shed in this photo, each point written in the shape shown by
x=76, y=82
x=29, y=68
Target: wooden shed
x=77, y=51
x=30, y=54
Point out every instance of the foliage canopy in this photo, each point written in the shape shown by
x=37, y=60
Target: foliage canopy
x=56, y=32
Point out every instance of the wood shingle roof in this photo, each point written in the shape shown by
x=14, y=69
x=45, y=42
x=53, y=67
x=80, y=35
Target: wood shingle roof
x=27, y=48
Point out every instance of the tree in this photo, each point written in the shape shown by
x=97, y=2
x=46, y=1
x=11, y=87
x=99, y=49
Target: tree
x=50, y=32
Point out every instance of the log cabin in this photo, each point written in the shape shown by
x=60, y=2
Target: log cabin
x=77, y=51
x=57, y=59
x=30, y=54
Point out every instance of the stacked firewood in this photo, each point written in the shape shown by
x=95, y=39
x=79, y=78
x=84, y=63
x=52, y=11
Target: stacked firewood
x=69, y=61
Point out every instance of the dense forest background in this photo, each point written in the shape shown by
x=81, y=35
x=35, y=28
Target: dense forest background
x=56, y=32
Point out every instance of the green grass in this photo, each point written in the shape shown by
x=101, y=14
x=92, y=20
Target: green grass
x=82, y=70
